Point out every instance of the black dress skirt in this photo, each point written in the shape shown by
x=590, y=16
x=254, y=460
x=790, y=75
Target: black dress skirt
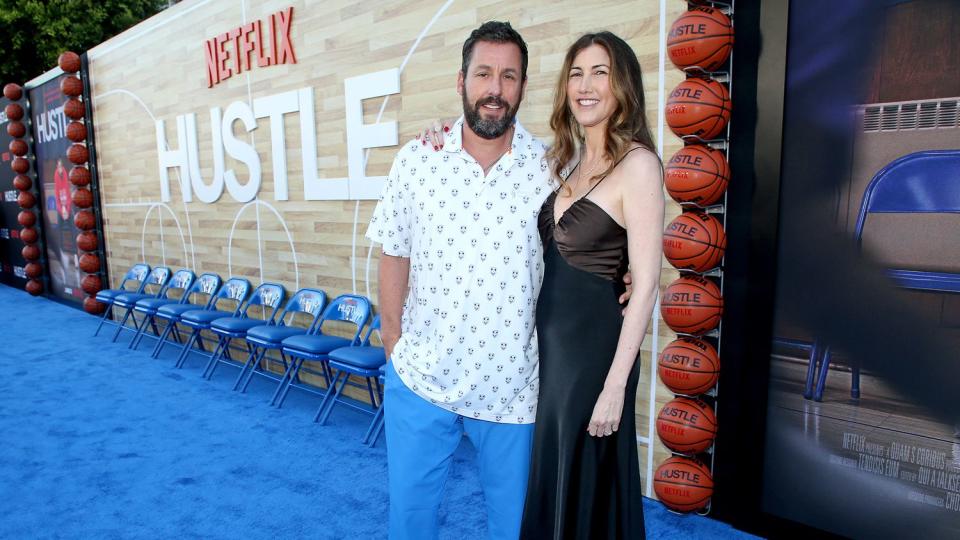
x=581, y=486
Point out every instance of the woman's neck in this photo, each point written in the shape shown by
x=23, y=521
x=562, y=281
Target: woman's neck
x=594, y=138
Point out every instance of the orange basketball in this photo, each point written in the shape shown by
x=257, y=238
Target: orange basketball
x=84, y=220
x=29, y=235
x=12, y=91
x=26, y=218
x=34, y=287
x=687, y=425
x=71, y=86
x=73, y=109
x=691, y=305
x=701, y=37
x=78, y=154
x=87, y=241
x=76, y=131
x=91, y=284
x=697, y=174
x=79, y=176
x=13, y=111
x=18, y=147
x=20, y=165
x=699, y=107
x=16, y=129
x=26, y=200
x=89, y=263
x=694, y=241
x=82, y=198
x=33, y=270
x=91, y=306
x=689, y=366
x=69, y=61
x=30, y=252
x=683, y=484
x=22, y=182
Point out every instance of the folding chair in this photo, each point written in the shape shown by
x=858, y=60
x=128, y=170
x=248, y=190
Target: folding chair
x=376, y=425
x=920, y=183
x=317, y=345
x=200, y=320
x=208, y=286
x=235, y=290
x=264, y=338
x=137, y=274
x=154, y=287
x=181, y=281
x=364, y=361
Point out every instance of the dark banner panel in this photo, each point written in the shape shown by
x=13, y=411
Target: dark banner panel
x=56, y=192
x=11, y=261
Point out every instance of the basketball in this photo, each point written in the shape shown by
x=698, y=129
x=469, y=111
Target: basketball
x=20, y=165
x=687, y=425
x=34, y=287
x=22, y=182
x=30, y=252
x=691, y=305
x=82, y=198
x=26, y=218
x=29, y=235
x=76, y=131
x=80, y=176
x=84, y=220
x=91, y=284
x=13, y=111
x=12, y=91
x=90, y=263
x=87, y=241
x=694, y=241
x=71, y=86
x=33, y=270
x=69, y=62
x=26, y=200
x=689, y=366
x=683, y=484
x=77, y=154
x=73, y=108
x=701, y=37
x=699, y=107
x=18, y=147
x=16, y=129
x=697, y=174
x=91, y=306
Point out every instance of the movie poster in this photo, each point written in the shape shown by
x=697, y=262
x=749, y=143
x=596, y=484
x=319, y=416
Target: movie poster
x=846, y=452
x=11, y=261
x=56, y=192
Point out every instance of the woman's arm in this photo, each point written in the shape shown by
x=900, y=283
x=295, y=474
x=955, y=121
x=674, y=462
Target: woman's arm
x=641, y=190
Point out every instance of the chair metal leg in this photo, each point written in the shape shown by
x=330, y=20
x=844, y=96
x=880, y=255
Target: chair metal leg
x=368, y=437
x=106, y=312
x=162, y=340
x=812, y=370
x=138, y=335
x=290, y=376
x=824, y=370
x=253, y=369
x=185, y=351
x=855, y=383
x=328, y=401
x=215, y=357
x=121, y=326
x=250, y=363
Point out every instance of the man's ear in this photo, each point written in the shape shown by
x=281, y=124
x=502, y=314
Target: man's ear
x=460, y=89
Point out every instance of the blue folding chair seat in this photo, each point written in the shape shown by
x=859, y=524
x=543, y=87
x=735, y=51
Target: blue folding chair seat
x=235, y=290
x=136, y=277
x=267, y=295
x=316, y=346
x=364, y=361
x=158, y=280
x=264, y=338
x=182, y=281
x=919, y=183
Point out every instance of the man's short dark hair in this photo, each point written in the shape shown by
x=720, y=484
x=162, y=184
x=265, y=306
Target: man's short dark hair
x=496, y=32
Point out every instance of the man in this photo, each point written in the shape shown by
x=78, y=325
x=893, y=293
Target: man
x=459, y=277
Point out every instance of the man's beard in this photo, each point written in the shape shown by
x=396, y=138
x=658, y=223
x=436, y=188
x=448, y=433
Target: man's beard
x=493, y=128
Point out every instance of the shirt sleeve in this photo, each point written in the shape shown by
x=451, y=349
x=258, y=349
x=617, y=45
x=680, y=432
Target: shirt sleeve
x=392, y=219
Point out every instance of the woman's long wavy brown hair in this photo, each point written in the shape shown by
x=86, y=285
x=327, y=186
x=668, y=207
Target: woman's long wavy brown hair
x=627, y=125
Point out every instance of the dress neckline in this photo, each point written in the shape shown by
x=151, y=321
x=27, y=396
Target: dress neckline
x=556, y=221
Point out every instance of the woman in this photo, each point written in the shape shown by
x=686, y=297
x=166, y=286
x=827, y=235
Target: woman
x=606, y=215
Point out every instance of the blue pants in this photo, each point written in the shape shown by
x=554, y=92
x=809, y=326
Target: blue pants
x=421, y=440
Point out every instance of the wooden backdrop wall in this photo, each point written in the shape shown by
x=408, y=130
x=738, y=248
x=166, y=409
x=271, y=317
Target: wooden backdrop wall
x=156, y=71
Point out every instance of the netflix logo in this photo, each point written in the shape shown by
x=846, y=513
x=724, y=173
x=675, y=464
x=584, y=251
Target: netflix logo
x=232, y=52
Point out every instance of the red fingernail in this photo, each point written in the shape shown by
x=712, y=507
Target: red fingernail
x=424, y=142
x=445, y=128
x=435, y=147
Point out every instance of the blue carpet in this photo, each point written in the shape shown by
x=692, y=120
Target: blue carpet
x=97, y=441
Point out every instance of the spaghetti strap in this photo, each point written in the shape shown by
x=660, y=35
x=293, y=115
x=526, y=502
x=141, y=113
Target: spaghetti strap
x=614, y=166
